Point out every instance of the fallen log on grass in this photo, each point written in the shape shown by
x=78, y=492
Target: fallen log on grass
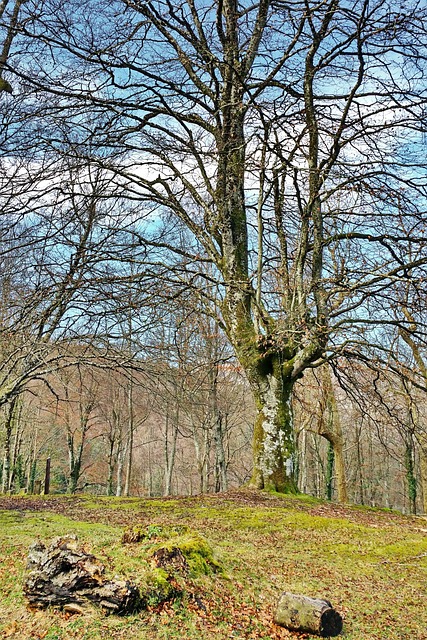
x=299, y=613
x=64, y=576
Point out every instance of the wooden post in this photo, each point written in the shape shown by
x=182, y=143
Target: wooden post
x=299, y=613
x=47, y=477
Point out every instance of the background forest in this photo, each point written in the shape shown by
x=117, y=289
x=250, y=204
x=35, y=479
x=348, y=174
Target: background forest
x=213, y=249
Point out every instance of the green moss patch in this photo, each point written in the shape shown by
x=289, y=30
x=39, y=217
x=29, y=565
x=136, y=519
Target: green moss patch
x=166, y=541
x=370, y=564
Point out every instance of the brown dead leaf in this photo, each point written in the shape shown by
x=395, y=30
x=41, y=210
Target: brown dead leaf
x=11, y=629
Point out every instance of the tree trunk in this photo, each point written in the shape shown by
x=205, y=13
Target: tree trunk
x=75, y=463
x=274, y=447
x=302, y=453
x=170, y=451
x=329, y=472
x=6, y=477
x=423, y=470
x=359, y=464
x=111, y=465
x=32, y=477
x=338, y=446
x=410, y=476
x=120, y=465
x=220, y=462
x=201, y=449
x=130, y=439
x=330, y=428
x=32, y=463
x=204, y=462
x=17, y=443
x=299, y=613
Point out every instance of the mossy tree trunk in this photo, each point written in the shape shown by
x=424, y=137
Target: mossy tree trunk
x=273, y=444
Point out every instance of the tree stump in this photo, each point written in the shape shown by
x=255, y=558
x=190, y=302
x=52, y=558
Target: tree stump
x=62, y=575
x=171, y=559
x=299, y=613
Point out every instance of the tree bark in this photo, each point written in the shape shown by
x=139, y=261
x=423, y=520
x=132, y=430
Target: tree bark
x=221, y=483
x=131, y=426
x=273, y=444
x=111, y=465
x=423, y=470
x=170, y=450
x=120, y=464
x=410, y=476
x=10, y=420
x=62, y=574
x=299, y=613
x=330, y=428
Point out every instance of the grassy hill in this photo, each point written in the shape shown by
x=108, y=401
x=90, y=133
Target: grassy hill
x=371, y=564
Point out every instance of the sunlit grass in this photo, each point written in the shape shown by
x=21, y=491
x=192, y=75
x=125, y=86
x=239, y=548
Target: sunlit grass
x=372, y=565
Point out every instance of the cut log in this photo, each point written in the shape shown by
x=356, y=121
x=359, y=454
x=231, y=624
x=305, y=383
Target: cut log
x=62, y=574
x=300, y=613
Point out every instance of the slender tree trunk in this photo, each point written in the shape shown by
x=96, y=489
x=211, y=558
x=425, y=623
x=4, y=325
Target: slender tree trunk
x=410, y=476
x=386, y=481
x=360, y=464
x=75, y=465
x=75, y=456
x=423, y=469
x=330, y=428
x=216, y=428
x=17, y=443
x=130, y=439
x=205, y=462
x=340, y=471
x=199, y=456
x=111, y=465
x=317, y=466
x=170, y=451
x=120, y=465
x=329, y=472
x=221, y=483
x=131, y=421
x=32, y=462
x=302, y=465
x=6, y=478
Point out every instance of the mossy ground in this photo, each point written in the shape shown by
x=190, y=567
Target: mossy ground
x=371, y=564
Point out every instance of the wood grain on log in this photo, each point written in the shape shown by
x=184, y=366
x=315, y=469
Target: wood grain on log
x=62, y=574
x=300, y=613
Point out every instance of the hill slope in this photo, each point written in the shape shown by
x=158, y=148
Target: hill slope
x=371, y=564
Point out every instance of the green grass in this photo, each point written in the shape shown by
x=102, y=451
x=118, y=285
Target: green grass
x=372, y=565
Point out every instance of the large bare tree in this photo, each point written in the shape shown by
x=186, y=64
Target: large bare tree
x=279, y=134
